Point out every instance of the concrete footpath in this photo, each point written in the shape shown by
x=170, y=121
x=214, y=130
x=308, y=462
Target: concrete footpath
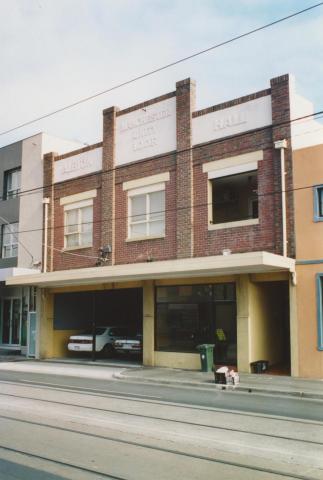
x=251, y=383
x=132, y=372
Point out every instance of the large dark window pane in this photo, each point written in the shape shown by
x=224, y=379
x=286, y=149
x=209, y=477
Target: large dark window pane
x=6, y=321
x=15, y=321
x=189, y=315
x=225, y=348
x=234, y=197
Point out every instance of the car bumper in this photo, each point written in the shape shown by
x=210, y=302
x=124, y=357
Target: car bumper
x=80, y=347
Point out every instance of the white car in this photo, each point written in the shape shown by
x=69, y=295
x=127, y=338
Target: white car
x=129, y=345
x=104, y=338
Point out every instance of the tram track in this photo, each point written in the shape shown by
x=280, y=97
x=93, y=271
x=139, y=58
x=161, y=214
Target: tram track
x=162, y=419
x=140, y=445
x=134, y=397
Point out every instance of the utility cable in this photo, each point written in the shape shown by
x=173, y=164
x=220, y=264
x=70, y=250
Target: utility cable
x=118, y=168
x=160, y=69
x=167, y=210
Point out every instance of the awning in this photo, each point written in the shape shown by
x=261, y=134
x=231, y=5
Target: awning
x=9, y=272
x=233, y=264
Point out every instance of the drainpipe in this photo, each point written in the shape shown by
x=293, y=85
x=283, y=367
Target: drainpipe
x=281, y=145
x=46, y=202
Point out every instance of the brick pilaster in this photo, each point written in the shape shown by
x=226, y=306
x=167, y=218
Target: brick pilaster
x=280, y=102
x=185, y=104
x=108, y=181
x=49, y=159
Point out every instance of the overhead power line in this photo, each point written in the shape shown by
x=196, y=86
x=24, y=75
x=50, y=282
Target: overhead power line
x=160, y=69
x=36, y=190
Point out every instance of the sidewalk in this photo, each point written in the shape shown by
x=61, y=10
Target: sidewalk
x=120, y=371
x=251, y=383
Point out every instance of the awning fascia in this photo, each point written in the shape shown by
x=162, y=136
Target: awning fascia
x=233, y=264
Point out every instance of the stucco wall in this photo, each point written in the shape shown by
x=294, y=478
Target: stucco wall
x=308, y=171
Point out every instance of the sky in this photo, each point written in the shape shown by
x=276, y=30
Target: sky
x=55, y=52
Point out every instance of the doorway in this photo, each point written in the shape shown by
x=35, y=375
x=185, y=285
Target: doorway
x=11, y=322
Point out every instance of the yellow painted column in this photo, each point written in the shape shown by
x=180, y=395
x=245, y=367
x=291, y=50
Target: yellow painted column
x=46, y=325
x=243, y=323
x=148, y=323
x=294, y=352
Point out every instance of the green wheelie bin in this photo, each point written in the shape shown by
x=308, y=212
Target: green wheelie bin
x=206, y=356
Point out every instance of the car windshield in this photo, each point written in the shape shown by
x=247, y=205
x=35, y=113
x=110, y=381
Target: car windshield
x=98, y=331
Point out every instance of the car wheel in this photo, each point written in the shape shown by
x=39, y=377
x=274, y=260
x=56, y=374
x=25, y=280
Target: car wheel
x=108, y=350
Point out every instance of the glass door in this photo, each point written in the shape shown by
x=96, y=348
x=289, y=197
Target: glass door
x=11, y=319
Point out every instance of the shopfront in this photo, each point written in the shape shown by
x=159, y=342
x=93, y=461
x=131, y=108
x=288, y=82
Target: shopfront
x=189, y=315
x=18, y=319
x=242, y=303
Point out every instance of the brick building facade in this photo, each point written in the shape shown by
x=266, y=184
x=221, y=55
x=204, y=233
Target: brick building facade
x=184, y=204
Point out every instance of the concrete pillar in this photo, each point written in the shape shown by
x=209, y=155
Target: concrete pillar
x=46, y=325
x=243, y=323
x=108, y=181
x=294, y=347
x=185, y=104
x=148, y=324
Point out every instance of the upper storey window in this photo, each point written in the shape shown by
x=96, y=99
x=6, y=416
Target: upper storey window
x=146, y=207
x=12, y=183
x=79, y=225
x=318, y=203
x=233, y=191
x=78, y=220
x=235, y=197
x=10, y=240
x=147, y=213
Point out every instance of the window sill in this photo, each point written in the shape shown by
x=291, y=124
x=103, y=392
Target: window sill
x=318, y=219
x=140, y=239
x=68, y=249
x=238, y=223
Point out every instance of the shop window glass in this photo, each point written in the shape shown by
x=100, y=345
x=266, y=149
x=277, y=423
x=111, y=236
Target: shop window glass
x=188, y=315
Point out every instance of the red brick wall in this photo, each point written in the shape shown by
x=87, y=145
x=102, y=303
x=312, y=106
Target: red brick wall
x=237, y=239
x=157, y=249
x=183, y=230
x=65, y=261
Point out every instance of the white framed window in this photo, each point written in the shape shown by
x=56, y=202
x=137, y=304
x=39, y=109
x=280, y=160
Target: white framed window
x=12, y=182
x=233, y=191
x=78, y=224
x=146, y=212
x=10, y=240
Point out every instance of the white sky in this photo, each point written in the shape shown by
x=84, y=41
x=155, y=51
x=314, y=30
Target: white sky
x=54, y=52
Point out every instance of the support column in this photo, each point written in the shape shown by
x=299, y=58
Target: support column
x=294, y=350
x=243, y=323
x=185, y=104
x=45, y=335
x=108, y=181
x=49, y=160
x=148, y=324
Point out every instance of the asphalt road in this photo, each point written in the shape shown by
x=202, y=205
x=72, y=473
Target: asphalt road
x=56, y=427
